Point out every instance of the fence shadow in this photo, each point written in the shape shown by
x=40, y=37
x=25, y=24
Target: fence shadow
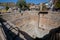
x=12, y=36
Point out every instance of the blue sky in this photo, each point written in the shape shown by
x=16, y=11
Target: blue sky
x=28, y=1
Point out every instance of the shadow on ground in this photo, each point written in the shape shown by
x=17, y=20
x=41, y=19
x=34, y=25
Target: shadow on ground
x=54, y=34
x=12, y=36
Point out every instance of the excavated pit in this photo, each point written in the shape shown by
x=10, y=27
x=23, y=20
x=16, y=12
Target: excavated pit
x=28, y=22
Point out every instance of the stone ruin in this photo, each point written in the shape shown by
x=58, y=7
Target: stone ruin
x=28, y=22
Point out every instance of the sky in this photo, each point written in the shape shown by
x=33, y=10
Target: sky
x=28, y=1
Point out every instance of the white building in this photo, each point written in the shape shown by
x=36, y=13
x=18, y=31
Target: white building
x=34, y=7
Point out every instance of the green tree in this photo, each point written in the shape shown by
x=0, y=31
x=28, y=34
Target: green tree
x=22, y=4
x=43, y=6
x=7, y=7
x=57, y=4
